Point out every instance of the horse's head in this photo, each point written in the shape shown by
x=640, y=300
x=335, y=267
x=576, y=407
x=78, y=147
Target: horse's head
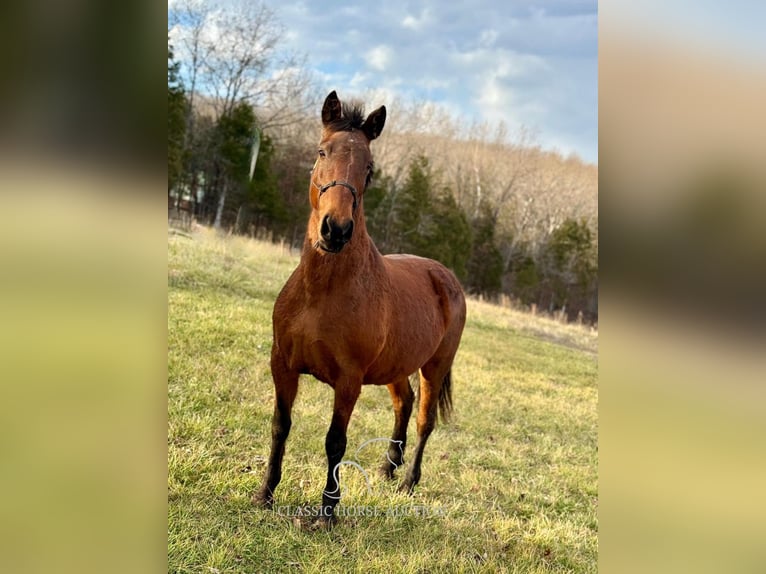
x=342, y=171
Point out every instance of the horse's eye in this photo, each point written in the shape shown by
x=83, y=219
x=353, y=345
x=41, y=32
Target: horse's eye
x=321, y=153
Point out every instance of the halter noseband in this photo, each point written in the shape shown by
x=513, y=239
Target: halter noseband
x=333, y=183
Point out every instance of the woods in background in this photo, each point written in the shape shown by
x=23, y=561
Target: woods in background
x=512, y=221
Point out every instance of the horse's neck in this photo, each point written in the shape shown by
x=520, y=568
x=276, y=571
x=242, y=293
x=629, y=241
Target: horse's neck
x=323, y=272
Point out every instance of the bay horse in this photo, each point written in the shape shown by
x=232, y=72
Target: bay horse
x=351, y=317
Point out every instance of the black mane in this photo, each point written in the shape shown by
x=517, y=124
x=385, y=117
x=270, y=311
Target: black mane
x=352, y=117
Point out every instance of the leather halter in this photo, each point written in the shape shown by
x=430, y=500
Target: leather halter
x=333, y=183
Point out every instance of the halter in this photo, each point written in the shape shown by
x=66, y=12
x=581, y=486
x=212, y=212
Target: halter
x=333, y=183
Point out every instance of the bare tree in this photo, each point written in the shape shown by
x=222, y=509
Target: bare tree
x=186, y=23
x=230, y=56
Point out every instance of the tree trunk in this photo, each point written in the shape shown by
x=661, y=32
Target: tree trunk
x=219, y=209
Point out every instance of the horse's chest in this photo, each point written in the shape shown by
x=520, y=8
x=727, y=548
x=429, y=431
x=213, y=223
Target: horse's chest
x=322, y=345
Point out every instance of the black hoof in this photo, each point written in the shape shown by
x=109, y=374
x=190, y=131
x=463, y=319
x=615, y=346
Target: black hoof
x=263, y=499
x=387, y=471
x=407, y=488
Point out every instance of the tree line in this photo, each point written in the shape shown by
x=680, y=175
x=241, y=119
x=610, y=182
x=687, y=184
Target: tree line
x=511, y=220
x=422, y=216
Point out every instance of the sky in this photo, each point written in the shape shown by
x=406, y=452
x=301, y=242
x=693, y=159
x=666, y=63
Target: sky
x=733, y=29
x=529, y=64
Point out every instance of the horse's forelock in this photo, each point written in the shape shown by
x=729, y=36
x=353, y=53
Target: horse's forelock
x=352, y=117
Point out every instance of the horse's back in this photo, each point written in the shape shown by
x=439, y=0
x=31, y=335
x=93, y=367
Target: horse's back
x=425, y=318
x=415, y=277
x=413, y=266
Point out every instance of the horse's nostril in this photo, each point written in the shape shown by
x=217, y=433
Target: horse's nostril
x=334, y=233
x=347, y=230
x=324, y=229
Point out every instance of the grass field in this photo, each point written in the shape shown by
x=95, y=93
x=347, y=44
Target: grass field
x=509, y=486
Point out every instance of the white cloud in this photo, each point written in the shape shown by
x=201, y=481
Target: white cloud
x=499, y=62
x=487, y=38
x=416, y=22
x=410, y=22
x=379, y=57
x=485, y=59
x=359, y=80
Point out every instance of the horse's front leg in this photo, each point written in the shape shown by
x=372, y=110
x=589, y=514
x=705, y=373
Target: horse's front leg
x=285, y=387
x=346, y=394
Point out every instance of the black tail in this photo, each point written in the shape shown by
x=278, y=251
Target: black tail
x=445, y=398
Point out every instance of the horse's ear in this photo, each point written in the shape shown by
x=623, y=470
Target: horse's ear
x=331, y=109
x=374, y=123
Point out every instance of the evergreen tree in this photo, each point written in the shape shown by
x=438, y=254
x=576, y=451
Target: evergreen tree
x=377, y=208
x=485, y=265
x=411, y=210
x=177, y=110
x=233, y=139
x=263, y=204
x=525, y=280
x=292, y=179
x=427, y=223
x=449, y=238
x=569, y=262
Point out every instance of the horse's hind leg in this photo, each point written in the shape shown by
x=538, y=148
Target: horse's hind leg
x=402, y=398
x=430, y=388
x=285, y=387
x=435, y=376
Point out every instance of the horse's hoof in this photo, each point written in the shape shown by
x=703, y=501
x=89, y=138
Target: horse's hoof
x=324, y=523
x=386, y=472
x=407, y=488
x=316, y=524
x=263, y=500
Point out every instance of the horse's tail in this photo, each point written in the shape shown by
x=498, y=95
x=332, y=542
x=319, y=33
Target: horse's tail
x=445, y=397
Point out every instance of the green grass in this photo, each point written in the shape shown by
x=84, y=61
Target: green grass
x=509, y=486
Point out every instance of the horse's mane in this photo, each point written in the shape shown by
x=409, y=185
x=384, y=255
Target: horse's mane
x=352, y=116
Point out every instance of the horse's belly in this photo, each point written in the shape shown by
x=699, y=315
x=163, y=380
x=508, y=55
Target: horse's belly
x=393, y=365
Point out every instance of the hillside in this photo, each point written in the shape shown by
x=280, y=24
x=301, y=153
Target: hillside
x=509, y=485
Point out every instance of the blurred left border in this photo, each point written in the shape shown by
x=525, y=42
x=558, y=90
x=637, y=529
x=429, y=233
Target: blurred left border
x=83, y=302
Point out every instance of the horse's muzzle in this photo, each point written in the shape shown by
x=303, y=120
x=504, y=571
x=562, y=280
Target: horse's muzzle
x=334, y=236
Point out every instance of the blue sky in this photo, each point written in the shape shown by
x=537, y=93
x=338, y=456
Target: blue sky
x=528, y=64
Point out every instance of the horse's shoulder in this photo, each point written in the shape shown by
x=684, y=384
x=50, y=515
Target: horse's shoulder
x=290, y=297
